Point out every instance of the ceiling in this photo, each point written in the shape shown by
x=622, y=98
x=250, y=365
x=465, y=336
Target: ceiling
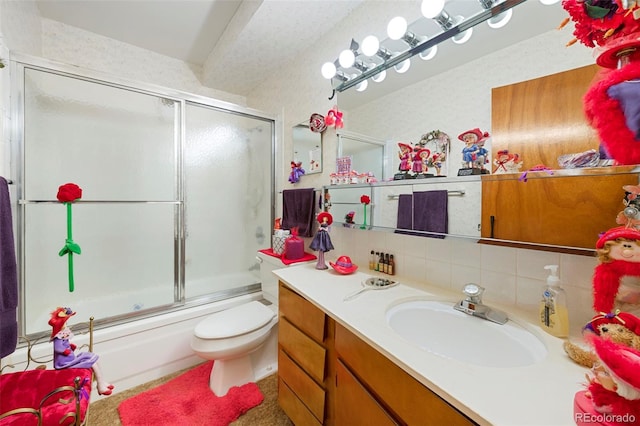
x=250, y=39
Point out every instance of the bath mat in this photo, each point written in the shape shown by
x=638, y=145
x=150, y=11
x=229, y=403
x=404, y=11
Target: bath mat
x=187, y=400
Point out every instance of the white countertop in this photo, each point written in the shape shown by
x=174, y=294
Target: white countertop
x=539, y=395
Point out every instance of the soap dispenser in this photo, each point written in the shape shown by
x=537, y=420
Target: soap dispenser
x=554, y=316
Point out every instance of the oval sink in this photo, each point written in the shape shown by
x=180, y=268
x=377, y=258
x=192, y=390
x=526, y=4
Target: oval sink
x=438, y=328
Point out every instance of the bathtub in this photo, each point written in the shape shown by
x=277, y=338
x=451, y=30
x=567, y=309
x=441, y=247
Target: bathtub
x=142, y=350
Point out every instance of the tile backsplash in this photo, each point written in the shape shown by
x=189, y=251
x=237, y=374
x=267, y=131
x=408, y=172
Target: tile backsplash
x=511, y=276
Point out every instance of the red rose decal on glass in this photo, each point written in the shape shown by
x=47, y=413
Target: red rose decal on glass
x=365, y=200
x=67, y=194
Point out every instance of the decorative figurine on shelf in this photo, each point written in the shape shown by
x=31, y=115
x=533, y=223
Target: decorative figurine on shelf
x=405, y=161
x=436, y=161
x=482, y=157
x=68, y=194
x=348, y=220
x=506, y=162
x=416, y=162
x=472, y=138
x=64, y=355
x=630, y=216
x=321, y=241
x=365, y=200
x=296, y=172
x=440, y=144
x=423, y=158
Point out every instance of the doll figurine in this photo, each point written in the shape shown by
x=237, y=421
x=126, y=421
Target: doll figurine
x=64, y=355
x=473, y=140
x=321, y=241
x=405, y=157
x=296, y=172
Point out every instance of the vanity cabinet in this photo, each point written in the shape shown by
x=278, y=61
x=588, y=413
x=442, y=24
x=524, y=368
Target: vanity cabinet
x=327, y=375
x=305, y=345
x=553, y=210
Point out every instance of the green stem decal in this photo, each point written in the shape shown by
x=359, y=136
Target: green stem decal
x=364, y=225
x=70, y=247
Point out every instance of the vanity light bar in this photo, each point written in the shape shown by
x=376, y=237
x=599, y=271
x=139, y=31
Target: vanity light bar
x=466, y=24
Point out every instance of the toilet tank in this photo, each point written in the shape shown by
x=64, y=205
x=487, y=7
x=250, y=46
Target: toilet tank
x=268, y=279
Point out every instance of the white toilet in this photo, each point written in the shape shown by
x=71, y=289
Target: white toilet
x=242, y=341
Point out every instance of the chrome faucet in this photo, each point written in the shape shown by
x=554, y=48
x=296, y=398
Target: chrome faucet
x=472, y=305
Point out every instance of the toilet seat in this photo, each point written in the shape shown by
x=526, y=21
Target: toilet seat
x=235, y=321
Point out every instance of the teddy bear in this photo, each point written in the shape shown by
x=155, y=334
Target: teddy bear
x=620, y=327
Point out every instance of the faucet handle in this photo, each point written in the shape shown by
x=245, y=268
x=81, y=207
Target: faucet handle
x=473, y=292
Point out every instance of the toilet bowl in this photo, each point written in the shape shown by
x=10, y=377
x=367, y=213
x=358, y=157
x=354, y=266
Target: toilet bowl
x=229, y=338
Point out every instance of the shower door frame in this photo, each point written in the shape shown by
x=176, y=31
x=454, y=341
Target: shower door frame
x=18, y=64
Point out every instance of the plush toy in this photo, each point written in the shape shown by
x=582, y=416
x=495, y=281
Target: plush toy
x=64, y=352
x=613, y=387
x=620, y=327
x=618, y=251
x=612, y=28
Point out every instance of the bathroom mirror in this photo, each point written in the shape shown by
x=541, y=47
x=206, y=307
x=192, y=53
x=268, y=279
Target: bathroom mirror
x=368, y=155
x=458, y=97
x=307, y=148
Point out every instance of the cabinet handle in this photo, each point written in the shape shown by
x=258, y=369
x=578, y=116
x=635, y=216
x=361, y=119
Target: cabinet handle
x=492, y=220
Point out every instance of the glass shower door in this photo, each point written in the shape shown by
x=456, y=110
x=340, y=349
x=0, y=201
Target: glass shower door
x=228, y=181
x=120, y=146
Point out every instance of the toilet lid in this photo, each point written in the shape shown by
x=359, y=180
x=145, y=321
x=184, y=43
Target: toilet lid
x=234, y=321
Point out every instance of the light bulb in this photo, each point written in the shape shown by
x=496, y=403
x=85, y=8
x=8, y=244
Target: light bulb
x=464, y=36
x=346, y=58
x=362, y=86
x=397, y=28
x=370, y=45
x=328, y=70
x=429, y=53
x=500, y=20
x=431, y=8
x=403, y=66
x=380, y=76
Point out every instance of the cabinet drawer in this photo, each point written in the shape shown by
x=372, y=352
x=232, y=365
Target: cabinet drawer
x=302, y=313
x=294, y=408
x=310, y=355
x=355, y=406
x=309, y=392
x=396, y=390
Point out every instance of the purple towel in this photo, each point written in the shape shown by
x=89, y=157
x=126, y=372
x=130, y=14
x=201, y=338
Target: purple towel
x=430, y=212
x=8, y=276
x=405, y=211
x=298, y=210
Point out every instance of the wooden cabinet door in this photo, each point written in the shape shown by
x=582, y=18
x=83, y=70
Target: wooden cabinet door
x=566, y=211
x=543, y=118
x=355, y=406
x=410, y=401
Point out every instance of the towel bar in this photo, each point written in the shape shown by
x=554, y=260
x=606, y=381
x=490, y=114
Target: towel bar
x=455, y=192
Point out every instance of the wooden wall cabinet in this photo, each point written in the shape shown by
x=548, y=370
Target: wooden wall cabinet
x=354, y=384
x=565, y=211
